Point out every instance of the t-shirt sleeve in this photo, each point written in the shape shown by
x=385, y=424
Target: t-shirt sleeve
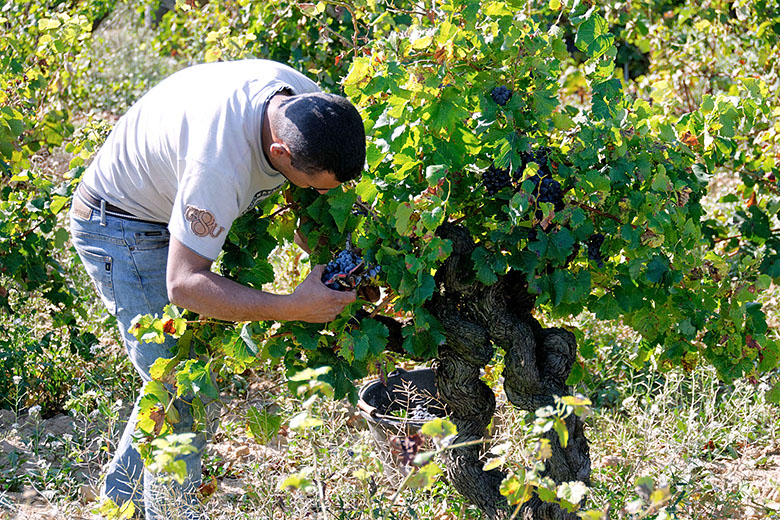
x=205, y=207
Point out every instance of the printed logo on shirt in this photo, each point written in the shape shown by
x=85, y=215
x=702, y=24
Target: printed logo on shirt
x=203, y=222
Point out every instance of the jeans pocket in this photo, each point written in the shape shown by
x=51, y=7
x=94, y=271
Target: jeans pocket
x=147, y=240
x=100, y=269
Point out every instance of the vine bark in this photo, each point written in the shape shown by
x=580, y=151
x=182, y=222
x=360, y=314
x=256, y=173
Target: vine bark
x=476, y=319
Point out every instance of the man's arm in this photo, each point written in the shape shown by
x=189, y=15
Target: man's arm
x=193, y=286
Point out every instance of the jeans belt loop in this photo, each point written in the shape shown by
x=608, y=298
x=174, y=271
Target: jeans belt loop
x=102, y=212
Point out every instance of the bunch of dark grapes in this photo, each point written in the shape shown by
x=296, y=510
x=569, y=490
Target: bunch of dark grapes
x=547, y=189
x=420, y=413
x=538, y=156
x=501, y=95
x=346, y=271
x=496, y=178
x=594, y=249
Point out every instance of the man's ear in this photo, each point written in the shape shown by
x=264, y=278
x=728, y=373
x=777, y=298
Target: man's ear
x=279, y=150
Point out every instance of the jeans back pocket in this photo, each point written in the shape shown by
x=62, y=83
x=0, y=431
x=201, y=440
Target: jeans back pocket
x=100, y=268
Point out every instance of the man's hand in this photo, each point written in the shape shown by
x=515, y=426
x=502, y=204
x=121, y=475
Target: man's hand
x=317, y=303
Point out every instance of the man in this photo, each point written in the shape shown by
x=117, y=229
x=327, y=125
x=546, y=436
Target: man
x=154, y=207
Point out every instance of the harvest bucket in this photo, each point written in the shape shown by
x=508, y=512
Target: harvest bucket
x=398, y=408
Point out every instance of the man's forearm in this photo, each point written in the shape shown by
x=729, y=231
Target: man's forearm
x=192, y=285
x=215, y=296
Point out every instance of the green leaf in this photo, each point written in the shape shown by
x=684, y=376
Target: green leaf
x=435, y=173
x=439, y=428
x=341, y=203
x=376, y=333
x=433, y=218
x=262, y=425
x=195, y=377
x=60, y=238
x=657, y=269
x=773, y=394
x=515, y=490
x=246, y=336
x=484, y=265
x=728, y=118
x=576, y=375
x=593, y=37
x=425, y=477
x=359, y=71
x=57, y=203
x=402, y=216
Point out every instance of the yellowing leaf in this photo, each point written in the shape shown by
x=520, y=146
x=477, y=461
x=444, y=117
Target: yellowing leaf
x=493, y=463
x=46, y=24
x=439, y=428
x=303, y=421
x=576, y=401
x=422, y=43
x=361, y=69
x=213, y=54
x=563, y=433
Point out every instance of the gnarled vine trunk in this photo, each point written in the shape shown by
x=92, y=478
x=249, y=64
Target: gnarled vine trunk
x=537, y=362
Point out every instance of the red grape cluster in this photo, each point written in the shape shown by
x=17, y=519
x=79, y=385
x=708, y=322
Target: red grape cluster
x=347, y=270
x=594, y=249
x=501, y=95
x=496, y=178
x=549, y=190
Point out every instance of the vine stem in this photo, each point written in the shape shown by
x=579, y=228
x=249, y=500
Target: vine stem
x=318, y=479
x=348, y=8
x=598, y=212
x=281, y=210
x=383, y=304
x=741, y=235
x=520, y=504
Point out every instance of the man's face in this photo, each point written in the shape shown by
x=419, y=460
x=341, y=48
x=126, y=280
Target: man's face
x=321, y=181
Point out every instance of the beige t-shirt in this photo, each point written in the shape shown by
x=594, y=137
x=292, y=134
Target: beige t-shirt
x=189, y=151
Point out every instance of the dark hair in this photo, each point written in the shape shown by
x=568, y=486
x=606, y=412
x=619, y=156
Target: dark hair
x=324, y=132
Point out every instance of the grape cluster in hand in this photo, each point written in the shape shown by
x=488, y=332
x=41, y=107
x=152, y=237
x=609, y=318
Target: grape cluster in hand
x=501, y=95
x=594, y=249
x=496, y=178
x=346, y=271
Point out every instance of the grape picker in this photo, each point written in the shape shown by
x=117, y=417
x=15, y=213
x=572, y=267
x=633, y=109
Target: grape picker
x=155, y=206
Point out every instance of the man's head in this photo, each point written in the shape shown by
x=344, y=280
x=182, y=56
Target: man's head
x=324, y=133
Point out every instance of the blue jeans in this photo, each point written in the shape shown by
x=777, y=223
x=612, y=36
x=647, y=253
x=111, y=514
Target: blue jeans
x=126, y=260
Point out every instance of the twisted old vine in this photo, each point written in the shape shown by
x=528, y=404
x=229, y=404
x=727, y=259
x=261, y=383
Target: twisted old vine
x=537, y=362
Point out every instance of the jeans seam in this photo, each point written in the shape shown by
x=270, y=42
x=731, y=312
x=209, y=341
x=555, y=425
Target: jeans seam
x=136, y=270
